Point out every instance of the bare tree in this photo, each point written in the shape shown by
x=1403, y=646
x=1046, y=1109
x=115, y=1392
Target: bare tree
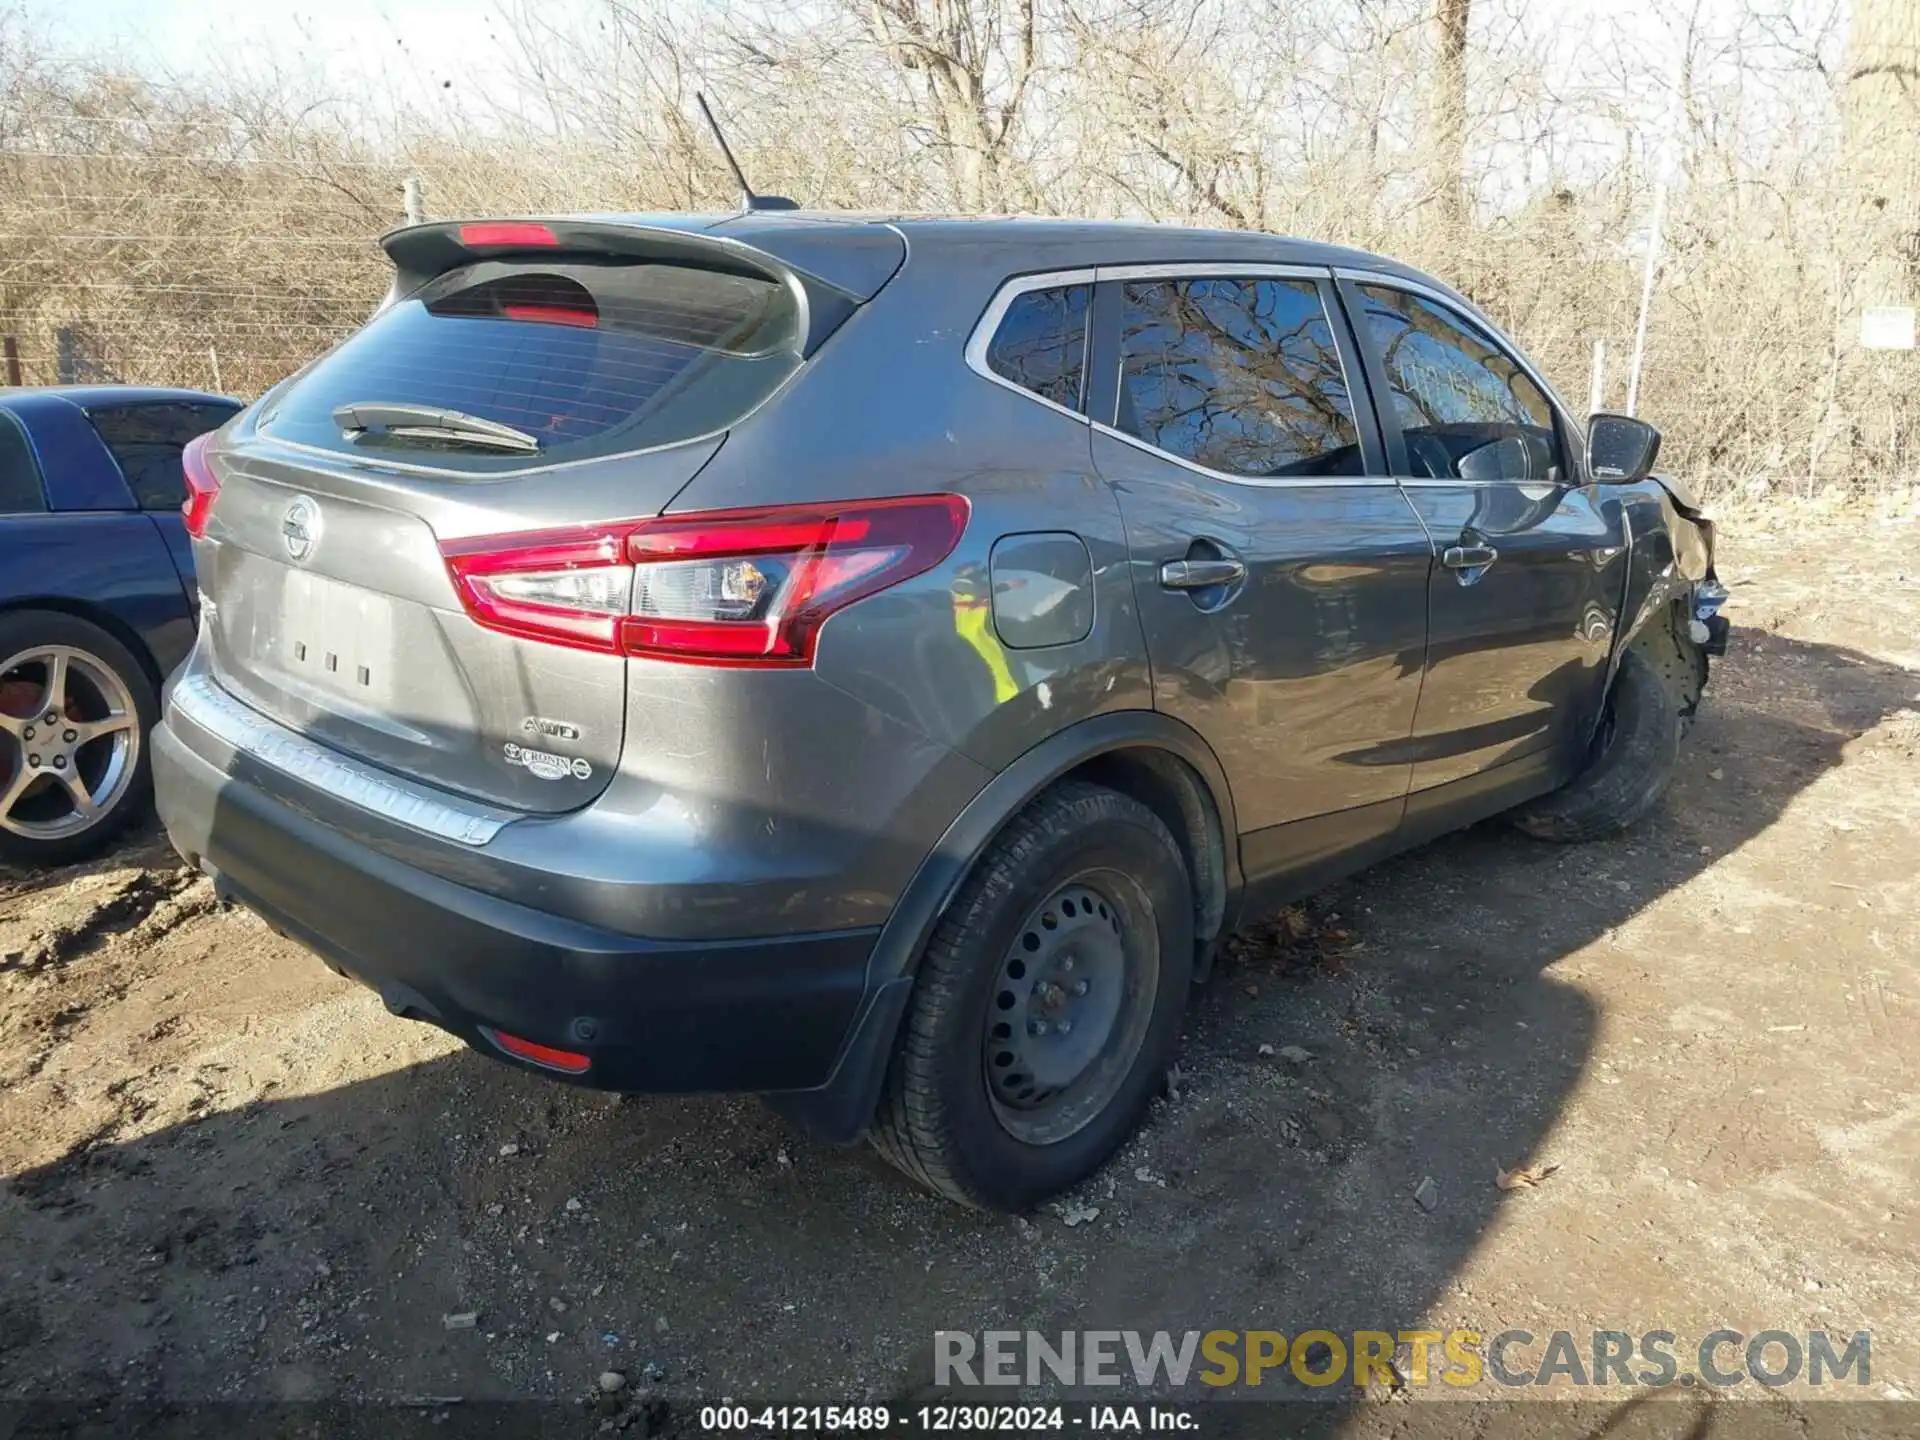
x=239, y=210
x=1883, y=76
x=976, y=60
x=1447, y=106
x=1881, y=106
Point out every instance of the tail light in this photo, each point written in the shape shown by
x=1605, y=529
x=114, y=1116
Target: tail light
x=202, y=488
x=721, y=587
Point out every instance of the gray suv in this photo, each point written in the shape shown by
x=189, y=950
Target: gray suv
x=873, y=662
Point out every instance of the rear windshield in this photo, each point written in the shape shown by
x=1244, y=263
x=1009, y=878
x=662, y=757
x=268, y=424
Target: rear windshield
x=147, y=439
x=586, y=358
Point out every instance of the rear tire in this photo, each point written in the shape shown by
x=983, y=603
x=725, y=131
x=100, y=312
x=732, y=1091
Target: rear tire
x=104, y=692
x=1634, y=759
x=1082, y=912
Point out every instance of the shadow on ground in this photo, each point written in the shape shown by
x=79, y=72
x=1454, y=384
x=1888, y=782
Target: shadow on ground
x=313, y=1248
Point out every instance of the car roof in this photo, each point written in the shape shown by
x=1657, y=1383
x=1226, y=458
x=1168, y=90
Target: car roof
x=1031, y=243
x=86, y=396
x=992, y=247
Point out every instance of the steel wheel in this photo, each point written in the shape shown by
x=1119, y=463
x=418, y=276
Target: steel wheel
x=69, y=742
x=976, y=1106
x=1070, y=1008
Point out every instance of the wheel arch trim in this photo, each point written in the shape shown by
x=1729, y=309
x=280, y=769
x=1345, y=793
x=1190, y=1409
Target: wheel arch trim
x=941, y=873
x=840, y=1110
x=94, y=614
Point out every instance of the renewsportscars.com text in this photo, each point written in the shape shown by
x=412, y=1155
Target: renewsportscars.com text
x=1720, y=1359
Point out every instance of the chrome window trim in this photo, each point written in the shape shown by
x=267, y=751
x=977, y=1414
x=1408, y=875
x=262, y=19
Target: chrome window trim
x=1257, y=482
x=1226, y=270
x=201, y=700
x=1213, y=270
x=989, y=325
x=1456, y=482
x=1576, y=434
x=1429, y=482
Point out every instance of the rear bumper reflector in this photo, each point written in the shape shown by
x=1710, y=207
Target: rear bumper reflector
x=566, y=1061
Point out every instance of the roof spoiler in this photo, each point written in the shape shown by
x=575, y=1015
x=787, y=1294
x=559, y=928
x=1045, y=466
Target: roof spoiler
x=839, y=266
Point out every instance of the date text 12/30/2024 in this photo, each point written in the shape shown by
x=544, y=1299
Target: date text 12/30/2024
x=946, y=1419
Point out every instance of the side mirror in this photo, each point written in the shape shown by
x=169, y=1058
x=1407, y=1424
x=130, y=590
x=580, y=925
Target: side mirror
x=1621, y=448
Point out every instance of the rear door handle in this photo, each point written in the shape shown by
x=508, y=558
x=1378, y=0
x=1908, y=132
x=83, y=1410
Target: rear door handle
x=1468, y=557
x=1201, y=574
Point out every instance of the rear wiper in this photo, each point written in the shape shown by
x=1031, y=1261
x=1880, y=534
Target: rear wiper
x=426, y=422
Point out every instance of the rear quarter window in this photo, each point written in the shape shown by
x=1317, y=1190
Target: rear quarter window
x=587, y=358
x=21, y=492
x=1041, y=343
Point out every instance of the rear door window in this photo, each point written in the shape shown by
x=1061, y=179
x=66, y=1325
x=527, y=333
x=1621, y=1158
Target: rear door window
x=583, y=358
x=20, y=490
x=1241, y=376
x=146, y=441
x=1041, y=343
x=1464, y=406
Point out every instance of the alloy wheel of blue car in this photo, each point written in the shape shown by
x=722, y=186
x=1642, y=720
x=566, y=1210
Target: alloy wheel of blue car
x=75, y=706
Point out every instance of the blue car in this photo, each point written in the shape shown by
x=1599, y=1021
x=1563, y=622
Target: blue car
x=97, y=603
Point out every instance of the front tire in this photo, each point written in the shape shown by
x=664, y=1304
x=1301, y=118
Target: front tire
x=1632, y=764
x=1047, y=1004
x=75, y=710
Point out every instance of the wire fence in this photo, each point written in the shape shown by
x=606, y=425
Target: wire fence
x=230, y=274
x=1754, y=441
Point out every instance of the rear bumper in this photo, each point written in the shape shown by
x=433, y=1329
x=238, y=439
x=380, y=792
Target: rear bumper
x=767, y=1014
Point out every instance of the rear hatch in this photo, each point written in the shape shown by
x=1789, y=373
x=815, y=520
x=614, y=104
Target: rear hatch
x=528, y=382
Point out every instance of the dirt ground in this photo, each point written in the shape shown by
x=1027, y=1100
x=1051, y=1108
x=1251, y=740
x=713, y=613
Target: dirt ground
x=233, y=1176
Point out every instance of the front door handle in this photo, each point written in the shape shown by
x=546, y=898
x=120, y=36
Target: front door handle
x=1468, y=557
x=1201, y=574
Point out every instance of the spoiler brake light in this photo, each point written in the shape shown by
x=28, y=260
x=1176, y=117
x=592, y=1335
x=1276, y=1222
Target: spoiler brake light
x=514, y=233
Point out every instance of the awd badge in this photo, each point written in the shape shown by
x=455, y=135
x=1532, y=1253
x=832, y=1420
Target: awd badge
x=550, y=729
